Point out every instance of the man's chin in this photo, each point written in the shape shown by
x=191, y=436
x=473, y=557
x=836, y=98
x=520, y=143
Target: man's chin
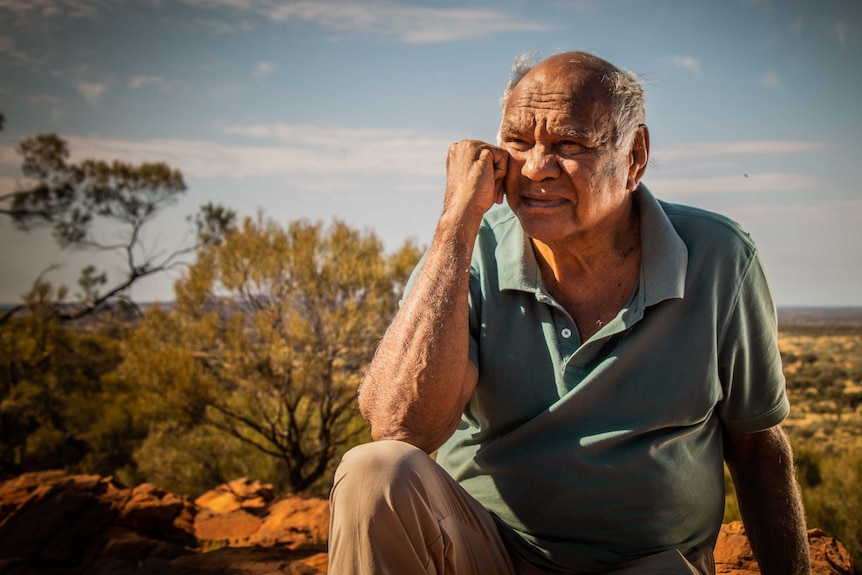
x=545, y=229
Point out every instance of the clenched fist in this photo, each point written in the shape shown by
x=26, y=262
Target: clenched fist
x=475, y=173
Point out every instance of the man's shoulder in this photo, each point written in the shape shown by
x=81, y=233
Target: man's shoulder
x=699, y=226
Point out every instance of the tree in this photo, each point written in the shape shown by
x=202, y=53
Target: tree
x=60, y=406
x=270, y=335
x=71, y=197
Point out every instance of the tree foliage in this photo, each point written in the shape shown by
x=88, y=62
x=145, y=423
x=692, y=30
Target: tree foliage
x=72, y=198
x=832, y=491
x=254, y=368
x=270, y=334
x=59, y=405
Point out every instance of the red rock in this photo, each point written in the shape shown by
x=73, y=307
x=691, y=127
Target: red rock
x=54, y=523
x=156, y=512
x=296, y=522
x=733, y=553
x=734, y=556
x=247, y=561
x=829, y=553
x=50, y=518
x=240, y=493
x=233, y=529
x=51, y=523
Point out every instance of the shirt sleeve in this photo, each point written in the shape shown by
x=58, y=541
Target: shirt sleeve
x=750, y=369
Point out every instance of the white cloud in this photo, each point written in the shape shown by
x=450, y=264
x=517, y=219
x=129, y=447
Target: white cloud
x=826, y=212
x=322, y=152
x=741, y=183
x=92, y=92
x=690, y=150
x=770, y=80
x=42, y=9
x=221, y=27
x=9, y=156
x=16, y=56
x=841, y=32
x=713, y=160
x=798, y=25
x=141, y=81
x=54, y=104
x=687, y=63
x=263, y=69
x=411, y=24
x=9, y=185
x=45, y=99
x=330, y=151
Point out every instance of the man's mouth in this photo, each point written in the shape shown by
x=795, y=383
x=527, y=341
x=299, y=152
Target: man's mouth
x=534, y=202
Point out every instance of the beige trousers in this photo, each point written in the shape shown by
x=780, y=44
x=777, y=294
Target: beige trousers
x=396, y=512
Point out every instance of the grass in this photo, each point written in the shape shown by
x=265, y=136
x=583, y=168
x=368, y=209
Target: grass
x=823, y=365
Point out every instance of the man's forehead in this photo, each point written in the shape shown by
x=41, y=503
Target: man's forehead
x=566, y=101
x=564, y=125
x=555, y=115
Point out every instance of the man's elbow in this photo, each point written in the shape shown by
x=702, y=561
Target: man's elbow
x=389, y=426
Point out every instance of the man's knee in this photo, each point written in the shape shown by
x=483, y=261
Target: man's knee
x=379, y=466
x=381, y=484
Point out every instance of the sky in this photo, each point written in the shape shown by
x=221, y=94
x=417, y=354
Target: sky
x=344, y=110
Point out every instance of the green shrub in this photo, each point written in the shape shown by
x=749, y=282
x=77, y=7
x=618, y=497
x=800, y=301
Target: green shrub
x=832, y=491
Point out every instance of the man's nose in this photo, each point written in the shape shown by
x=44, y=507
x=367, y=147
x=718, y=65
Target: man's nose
x=540, y=164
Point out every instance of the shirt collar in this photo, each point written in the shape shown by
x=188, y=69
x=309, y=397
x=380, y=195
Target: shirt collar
x=664, y=259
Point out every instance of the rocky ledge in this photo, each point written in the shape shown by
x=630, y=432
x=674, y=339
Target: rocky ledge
x=56, y=524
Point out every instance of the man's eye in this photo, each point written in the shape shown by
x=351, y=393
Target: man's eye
x=571, y=147
x=516, y=144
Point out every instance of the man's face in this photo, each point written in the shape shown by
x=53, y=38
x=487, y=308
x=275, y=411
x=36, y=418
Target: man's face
x=564, y=178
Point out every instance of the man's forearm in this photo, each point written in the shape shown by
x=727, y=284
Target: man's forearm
x=421, y=377
x=770, y=503
x=415, y=388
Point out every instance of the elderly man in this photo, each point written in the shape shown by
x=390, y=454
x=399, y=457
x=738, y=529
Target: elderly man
x=584, y=360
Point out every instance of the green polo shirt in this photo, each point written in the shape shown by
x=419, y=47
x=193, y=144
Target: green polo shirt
x=591, y=453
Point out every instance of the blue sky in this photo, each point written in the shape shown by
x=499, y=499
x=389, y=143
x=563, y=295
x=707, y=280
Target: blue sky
x=323, y=110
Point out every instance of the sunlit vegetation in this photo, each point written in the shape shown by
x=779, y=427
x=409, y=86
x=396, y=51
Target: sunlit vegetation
x=253, y=371
x=822, y=358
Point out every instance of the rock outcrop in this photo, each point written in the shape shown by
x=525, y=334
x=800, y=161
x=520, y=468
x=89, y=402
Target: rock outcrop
x=55, y=524
x=244, y=514
x=734, y=556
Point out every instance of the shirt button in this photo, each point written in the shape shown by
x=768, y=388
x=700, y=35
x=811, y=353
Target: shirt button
x=566, y=333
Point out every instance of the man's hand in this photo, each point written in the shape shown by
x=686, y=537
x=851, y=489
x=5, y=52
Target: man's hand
x=475, y=172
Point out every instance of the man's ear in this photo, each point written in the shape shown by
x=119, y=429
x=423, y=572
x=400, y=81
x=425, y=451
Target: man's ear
x=638, y=157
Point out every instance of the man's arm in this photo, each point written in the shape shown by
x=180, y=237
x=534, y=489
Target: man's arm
x=421, y=376
x=761, y=465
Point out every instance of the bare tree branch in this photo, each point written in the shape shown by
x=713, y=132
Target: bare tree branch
x=69, y=198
